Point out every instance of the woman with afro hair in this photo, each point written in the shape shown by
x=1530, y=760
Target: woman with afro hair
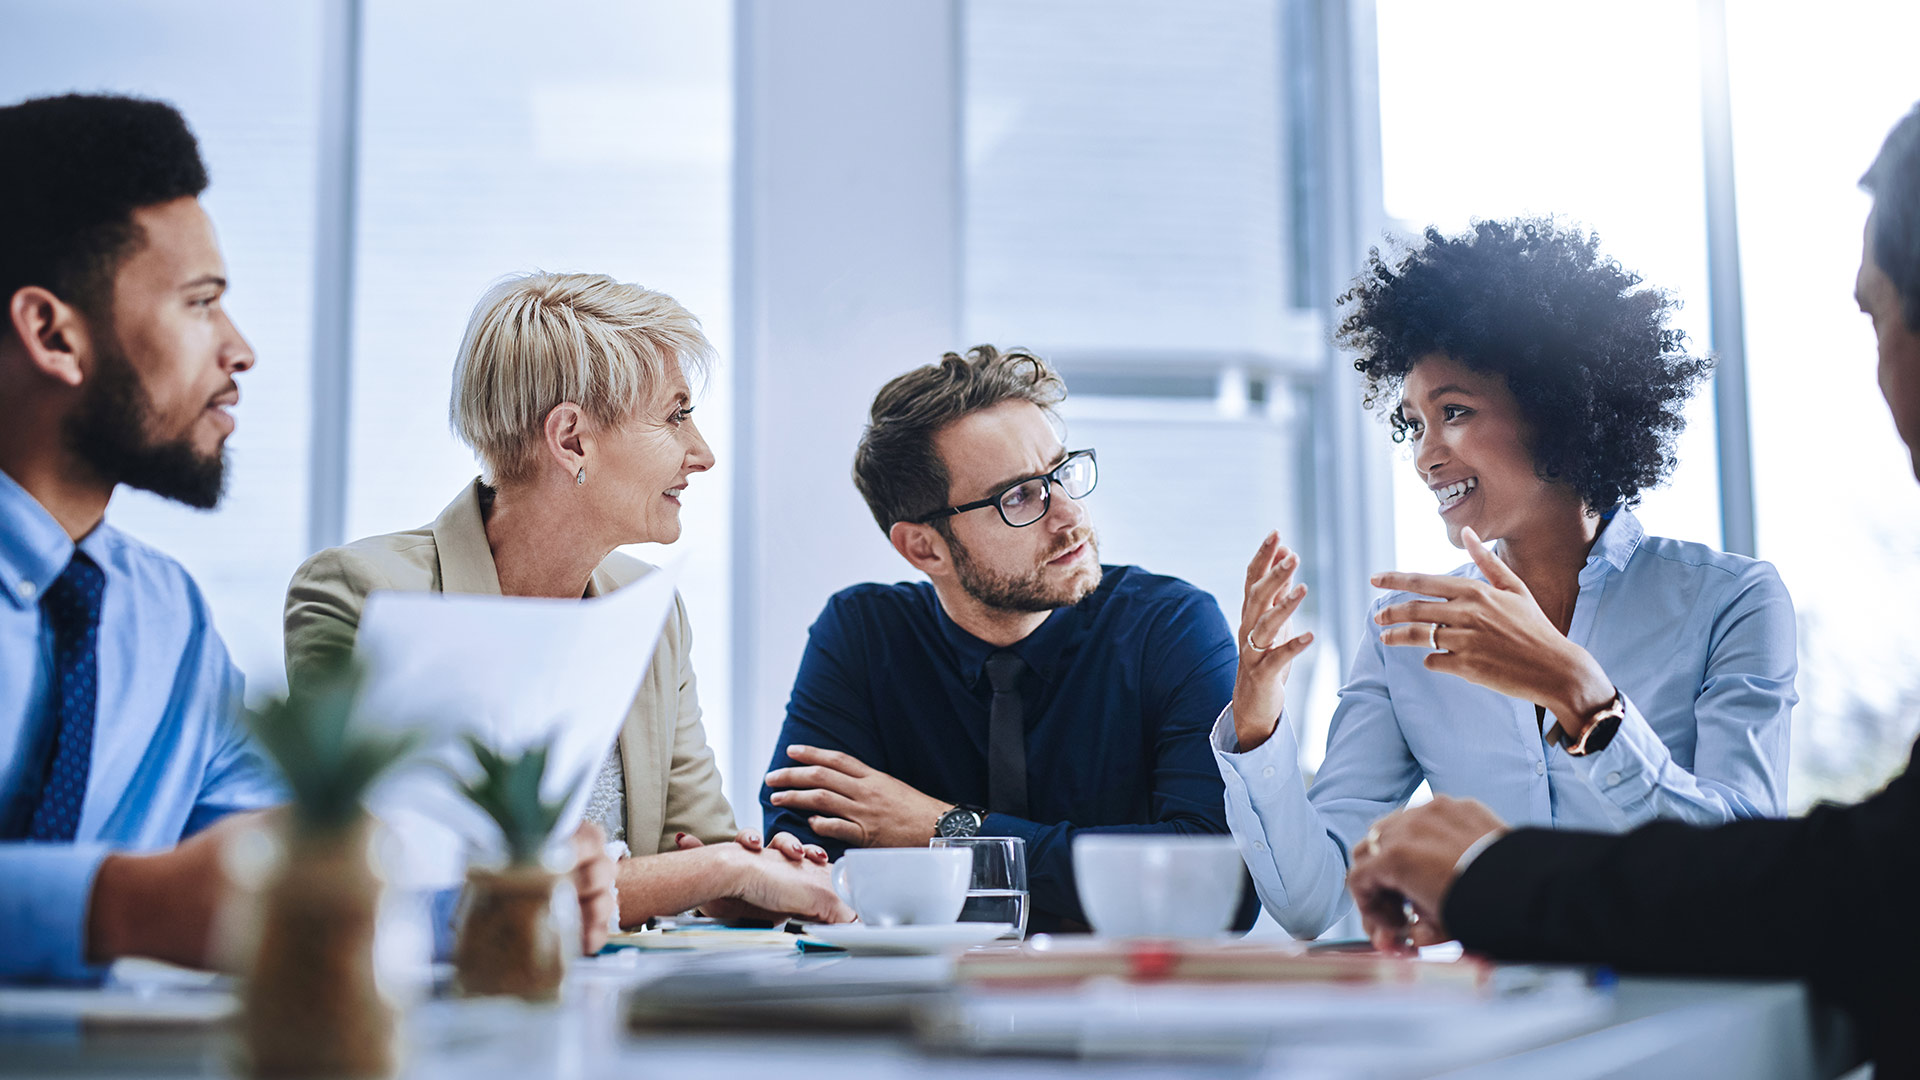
x=1577, y=673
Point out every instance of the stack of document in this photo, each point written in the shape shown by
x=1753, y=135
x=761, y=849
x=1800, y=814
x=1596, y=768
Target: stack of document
x=1062, y=961
x=712, y=939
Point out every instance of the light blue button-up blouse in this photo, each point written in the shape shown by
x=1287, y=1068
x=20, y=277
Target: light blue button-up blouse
x=1700, y=644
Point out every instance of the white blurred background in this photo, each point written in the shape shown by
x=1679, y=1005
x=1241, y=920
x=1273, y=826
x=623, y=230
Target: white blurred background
x=1163, y=197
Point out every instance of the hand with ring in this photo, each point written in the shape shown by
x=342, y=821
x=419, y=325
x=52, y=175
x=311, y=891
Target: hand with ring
x=1495, y=635
x=1407, y=862
x=1268, y=646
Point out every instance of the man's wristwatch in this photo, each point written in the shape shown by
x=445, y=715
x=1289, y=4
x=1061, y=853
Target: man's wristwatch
x=961, y=821
x=1599, y=731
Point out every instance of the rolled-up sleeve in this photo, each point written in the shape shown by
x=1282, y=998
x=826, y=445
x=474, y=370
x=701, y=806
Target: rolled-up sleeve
x=45, y=891
x=238, y=776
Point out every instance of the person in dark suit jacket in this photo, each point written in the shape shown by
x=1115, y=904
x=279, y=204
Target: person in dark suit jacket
x=1827, y=897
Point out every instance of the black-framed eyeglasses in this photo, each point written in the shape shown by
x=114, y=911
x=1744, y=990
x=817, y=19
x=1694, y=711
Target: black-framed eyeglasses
x=1024, y=502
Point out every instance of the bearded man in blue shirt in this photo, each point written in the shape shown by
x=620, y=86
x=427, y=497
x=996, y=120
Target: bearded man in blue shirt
x=125, y=760
x=1022, y=690
x=117, y=698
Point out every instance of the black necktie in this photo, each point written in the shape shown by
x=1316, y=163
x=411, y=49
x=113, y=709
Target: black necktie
x=71, y=607
x=1006, y=736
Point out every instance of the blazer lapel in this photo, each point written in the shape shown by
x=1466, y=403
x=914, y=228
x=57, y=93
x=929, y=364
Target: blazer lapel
x=460, y=537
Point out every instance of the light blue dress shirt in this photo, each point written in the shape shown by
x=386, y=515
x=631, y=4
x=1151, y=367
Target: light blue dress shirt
x=1699, y=643
x=169, y=752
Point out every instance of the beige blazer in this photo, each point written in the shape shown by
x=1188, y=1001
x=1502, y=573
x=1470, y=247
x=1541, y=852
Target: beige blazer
x=672, y=784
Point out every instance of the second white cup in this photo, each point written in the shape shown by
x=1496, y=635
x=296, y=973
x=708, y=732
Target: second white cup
x=1157, y=885
x=904, y=886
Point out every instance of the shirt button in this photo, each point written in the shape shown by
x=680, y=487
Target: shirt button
x=1613, y=778
x=26, y=590
x=1268, y=771
x=1259, y=845
x=1539, y=768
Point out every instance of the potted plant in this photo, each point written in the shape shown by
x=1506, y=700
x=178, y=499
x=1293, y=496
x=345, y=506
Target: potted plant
x=311, y=1006
x=509, y=940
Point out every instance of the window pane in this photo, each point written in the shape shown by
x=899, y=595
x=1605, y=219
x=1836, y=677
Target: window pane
x=586, y=137
x=1124, y=178
x=1125, y=216
x=247, y=77
x=1587, y=111
x=1837, y=508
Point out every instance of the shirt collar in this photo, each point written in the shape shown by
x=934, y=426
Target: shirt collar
x=1040, y=649
x=34, y=549
x=1620, y=536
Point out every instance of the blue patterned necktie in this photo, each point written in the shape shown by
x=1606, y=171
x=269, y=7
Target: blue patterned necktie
x=72, y=609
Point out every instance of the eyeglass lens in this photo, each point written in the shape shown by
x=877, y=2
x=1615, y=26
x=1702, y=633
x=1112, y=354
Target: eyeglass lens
x=1027, y=503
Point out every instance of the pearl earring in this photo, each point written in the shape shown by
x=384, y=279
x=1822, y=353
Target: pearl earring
x=580, y=477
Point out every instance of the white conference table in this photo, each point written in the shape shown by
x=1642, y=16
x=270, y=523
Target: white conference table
x=1641, y=1027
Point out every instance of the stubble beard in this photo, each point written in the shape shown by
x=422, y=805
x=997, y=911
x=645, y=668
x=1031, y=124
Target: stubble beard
x=1031, y=591
x=109, y=431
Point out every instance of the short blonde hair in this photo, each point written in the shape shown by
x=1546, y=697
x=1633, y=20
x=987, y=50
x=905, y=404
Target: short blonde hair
x=536, y=340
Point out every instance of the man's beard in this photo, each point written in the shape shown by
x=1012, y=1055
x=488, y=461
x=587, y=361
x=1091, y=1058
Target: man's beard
x=1030, y=591
x=109, y=432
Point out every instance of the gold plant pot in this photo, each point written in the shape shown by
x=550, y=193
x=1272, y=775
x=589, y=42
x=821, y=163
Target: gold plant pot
x=312, y=1007
x=508, y=941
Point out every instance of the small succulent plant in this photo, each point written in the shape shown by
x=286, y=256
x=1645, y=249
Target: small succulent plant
x=328, y=762
x=508, y=789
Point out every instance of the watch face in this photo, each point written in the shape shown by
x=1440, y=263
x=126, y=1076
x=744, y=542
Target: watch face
x=958, y=822
x=1602, y=733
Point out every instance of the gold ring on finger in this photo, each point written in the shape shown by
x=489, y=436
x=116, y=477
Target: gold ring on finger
x=1257, y=648
x=1433, y=636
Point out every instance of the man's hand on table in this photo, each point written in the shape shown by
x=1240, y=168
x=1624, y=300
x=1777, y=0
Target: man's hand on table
x=162, y=905
x=853, y=803
x=1410, y=859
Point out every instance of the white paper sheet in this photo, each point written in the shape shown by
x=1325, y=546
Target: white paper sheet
x=512, y=671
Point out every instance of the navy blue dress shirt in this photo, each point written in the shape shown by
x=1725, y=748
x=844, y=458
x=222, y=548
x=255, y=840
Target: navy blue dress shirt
x=1122, y=691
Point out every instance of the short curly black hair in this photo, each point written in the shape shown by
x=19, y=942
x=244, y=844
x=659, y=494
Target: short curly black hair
x=78, y=166
x=1894, y=182
x=1601, y=379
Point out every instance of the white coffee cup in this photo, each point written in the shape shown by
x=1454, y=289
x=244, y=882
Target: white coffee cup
x=904, y=886
x=1155, y=885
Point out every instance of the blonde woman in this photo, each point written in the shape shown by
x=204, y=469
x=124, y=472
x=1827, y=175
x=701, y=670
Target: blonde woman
x=572, y=389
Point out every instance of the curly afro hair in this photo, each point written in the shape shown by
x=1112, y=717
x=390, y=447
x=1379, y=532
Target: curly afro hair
x=1600, y=377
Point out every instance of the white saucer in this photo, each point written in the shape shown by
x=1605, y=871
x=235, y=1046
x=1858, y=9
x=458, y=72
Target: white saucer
x=906, y=940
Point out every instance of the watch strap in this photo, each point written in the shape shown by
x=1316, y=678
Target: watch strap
x=1599, y=731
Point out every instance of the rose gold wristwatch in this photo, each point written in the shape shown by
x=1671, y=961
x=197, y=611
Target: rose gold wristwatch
x=1599, y=731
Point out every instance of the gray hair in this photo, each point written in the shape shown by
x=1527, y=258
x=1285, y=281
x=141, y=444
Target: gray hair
x=536, y=340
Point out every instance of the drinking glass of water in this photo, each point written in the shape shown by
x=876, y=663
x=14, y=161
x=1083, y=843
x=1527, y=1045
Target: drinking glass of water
x=997, y=891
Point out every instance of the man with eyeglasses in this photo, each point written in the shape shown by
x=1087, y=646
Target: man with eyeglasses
x=1023, y=689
